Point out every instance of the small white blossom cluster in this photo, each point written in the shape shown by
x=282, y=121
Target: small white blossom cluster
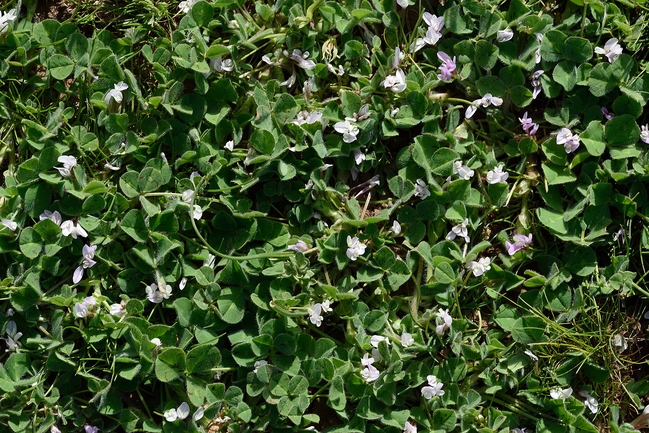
x=446, y=320
x=433, y=389
x=118, y=310
x=348, y=129
x=81, y=308
x=12, y=337
x=299, y=247
x=156, y=293
x=308, y=118
x=480, y=267
x=433, y=34
x=369, y=373
x=484, y=102
x=355, y=248
x=463, y=171
x=459, y=230
x=407, y=340
x=589, y=401
x=182, y=412
x=497, y=175
x=315, y=312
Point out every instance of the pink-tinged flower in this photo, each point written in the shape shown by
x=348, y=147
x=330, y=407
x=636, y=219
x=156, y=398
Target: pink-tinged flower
x=12, y=337
x=607, y=114
x=459, y=230
x=52, y=216
x=410, y=428
x=521, y=243
x=569, y=140
x=644, y=134
x=528, y=125
x=300, y=59
x=448, y=66
x=611, y=50
x=90, y=429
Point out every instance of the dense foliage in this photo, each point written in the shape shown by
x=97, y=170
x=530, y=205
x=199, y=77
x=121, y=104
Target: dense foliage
x=346, y=216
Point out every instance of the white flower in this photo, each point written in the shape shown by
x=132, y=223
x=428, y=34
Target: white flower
x=410, y=428
x=396, y=83
x=116, y=93
x=300, y=246
x=70, y=228
x=569, y=141
x=348, y=129
x=52, y=216
x=421, y=189
x=182, y=284
x=300, y=59
x=11, y=225
x=398, y=56
x=433, y=389
x=536, y=83
x=611, y=50
x=153, y=294
x=88, y=262
x=459, y=230
x=644, y=134
x=447, y=320
x=463, y=171
x=403, y=3
x=396, y=227
x=229, y=145
x=537, y=54
x=355, y=248
x=562, y=394
x=186, y=6
x=497, y=175
x=170, y=415
x=359, y=156
x=315, y=314
x=181, y=412
x=80, y=310
x=69, y=162
x=470, y=110
x=340, y=71
x=187, y=196
x=117, y=310
x=435, y=26
x=370, y=373
x=589, y=401
x=326, y=306
x=480, y=267
x=54, y=429
x=367, y=360
x=211, y=261
x=7, y=18
x=504, y=35
x=308, y=118
x=197, y=212
x=200, y=412
x=407, y=340
x=259, y=364
x=531, y=354
x=376, y=339
x=12, y=337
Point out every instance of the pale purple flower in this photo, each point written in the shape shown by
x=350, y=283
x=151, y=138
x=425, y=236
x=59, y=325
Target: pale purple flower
x=644, y=134
x=504, y=35
x=569, y=140
x=259, y=364
x=340, y=71
x=370, y=373
x=52, y=216
x=448, y=66
x=521, y=243
x=537, y=54
x=607, y=114
x=611, y=50
x=403, y=3
x=90, y=428
x=463, y=171
x=536, y=83
x=459, y=230
x=219, y=64
x=300, y=246
x=421, y=189
x=88, y=262
x=300, y=59
x=80, y=310
x=435, y=26
x=410, y=428
x=308, y=118
x=157, y=293
x=12, y=337
x=528, y=125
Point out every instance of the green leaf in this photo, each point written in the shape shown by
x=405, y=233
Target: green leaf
x=231, y=305
x=601, y=80
x=622, y=130
x=128, y=183
x=337, y=398
x=30, y=242
x=577, y=49
x=133, y=225
x=625, y=104
x=552, y=220
x=263, y=141
x=285, y=109
x=149, y=180
x=444, y=419
x=375, y=320
x=442, y=161
x=202, y=358
x=486, y=54
x=593, y=138
x=202, y=13
x=491, y=84
x=444, y=273
x=60, y=66
x=557, y=174
x=565, y=73
x=552, y=46
x=169, y=364
x=217, y=50
x=455, y=21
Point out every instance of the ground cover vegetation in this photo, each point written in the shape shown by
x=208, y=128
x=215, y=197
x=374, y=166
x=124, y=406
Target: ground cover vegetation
x=340, y=216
